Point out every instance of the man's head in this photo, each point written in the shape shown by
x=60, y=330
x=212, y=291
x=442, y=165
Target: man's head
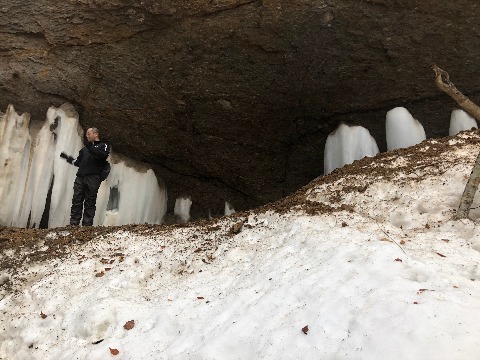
x=92, y=134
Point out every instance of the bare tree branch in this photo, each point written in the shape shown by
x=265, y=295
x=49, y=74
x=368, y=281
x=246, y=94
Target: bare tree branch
x=442, y=79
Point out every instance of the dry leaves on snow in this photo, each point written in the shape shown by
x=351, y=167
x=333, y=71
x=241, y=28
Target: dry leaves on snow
x=114, y=351
x=129, y=325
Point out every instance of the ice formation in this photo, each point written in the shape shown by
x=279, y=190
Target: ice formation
x=347, y=144
x=15, y=144
x=130, y=195
x=229, y=210
x=182, y=208
x=460, y=121
x=402, y=129
x=36, y=185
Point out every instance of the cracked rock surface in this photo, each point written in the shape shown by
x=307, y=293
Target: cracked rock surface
x=233, y=100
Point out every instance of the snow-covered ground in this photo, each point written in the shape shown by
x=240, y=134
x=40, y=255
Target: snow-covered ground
x=380, y=270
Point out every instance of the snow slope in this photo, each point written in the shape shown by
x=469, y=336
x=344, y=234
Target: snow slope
x=365, y=263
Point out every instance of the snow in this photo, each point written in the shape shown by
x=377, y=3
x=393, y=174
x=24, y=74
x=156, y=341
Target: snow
x=387, y=274
x=461, y=121
x=347, y=144
x=402, y=129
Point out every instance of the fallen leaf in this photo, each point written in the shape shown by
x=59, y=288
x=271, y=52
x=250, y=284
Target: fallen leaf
x=455, y=286
x=446, y=240
x=344, y=224
x=200, y=297
x=440, y=254
x=97, y=342
x=397, y=259
x=198, y=250
x=416, y=303
x=42, y=315
x=305, y=329
x=100, y=274
x=108, y=269
x=129, y=325
x=427, y=226
x=402, y=242
x=114, y=351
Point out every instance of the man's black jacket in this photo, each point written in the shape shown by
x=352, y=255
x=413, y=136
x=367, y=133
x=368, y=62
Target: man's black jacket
x=91, y=158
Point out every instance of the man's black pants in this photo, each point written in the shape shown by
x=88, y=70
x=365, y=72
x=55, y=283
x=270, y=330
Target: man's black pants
x=85, y=191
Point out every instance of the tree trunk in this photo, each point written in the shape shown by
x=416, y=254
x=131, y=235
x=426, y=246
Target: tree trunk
x=469, y=192
x=442, y=79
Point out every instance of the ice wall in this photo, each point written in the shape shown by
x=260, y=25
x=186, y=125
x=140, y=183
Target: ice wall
x=460, y=121
x=347, y=144
x=402, y=129
x=36, y=185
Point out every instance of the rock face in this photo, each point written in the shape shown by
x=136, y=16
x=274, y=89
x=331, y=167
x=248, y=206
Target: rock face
x=232, y=100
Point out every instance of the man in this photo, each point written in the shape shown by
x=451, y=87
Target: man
x=90, y=161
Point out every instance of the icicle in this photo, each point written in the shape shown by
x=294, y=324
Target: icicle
x=402, y=129
x=347, y=144
x=182, y=209
x=130, y=195
x=460, y=121
x=15, y=143
x=229, y=210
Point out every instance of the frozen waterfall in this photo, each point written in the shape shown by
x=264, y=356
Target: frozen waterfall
x=36, y=185
x=347, y=144
x=402, y=129
x=461, y=121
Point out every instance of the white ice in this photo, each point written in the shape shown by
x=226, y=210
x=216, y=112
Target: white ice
x=182, y=208
x=347, y=144
x=30, y=171
x=461, y=121
x=140, y=197
x=402, y=129
x=229, y=209
x=391, y=277
x=15, y=145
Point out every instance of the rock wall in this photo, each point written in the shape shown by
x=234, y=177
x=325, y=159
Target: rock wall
x=232, y=100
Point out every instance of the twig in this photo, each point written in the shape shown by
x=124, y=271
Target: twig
x=393, y=240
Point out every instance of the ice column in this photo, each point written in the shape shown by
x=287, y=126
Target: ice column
x=347, y=144
x=402, y=129
x=182, y=208
x=15, y=143
x=130, y=195
x=229, y=210
x=460, y=121
x=60, y=132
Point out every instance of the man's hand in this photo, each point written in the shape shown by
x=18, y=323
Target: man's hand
x=87, y=143
x=66, y=157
